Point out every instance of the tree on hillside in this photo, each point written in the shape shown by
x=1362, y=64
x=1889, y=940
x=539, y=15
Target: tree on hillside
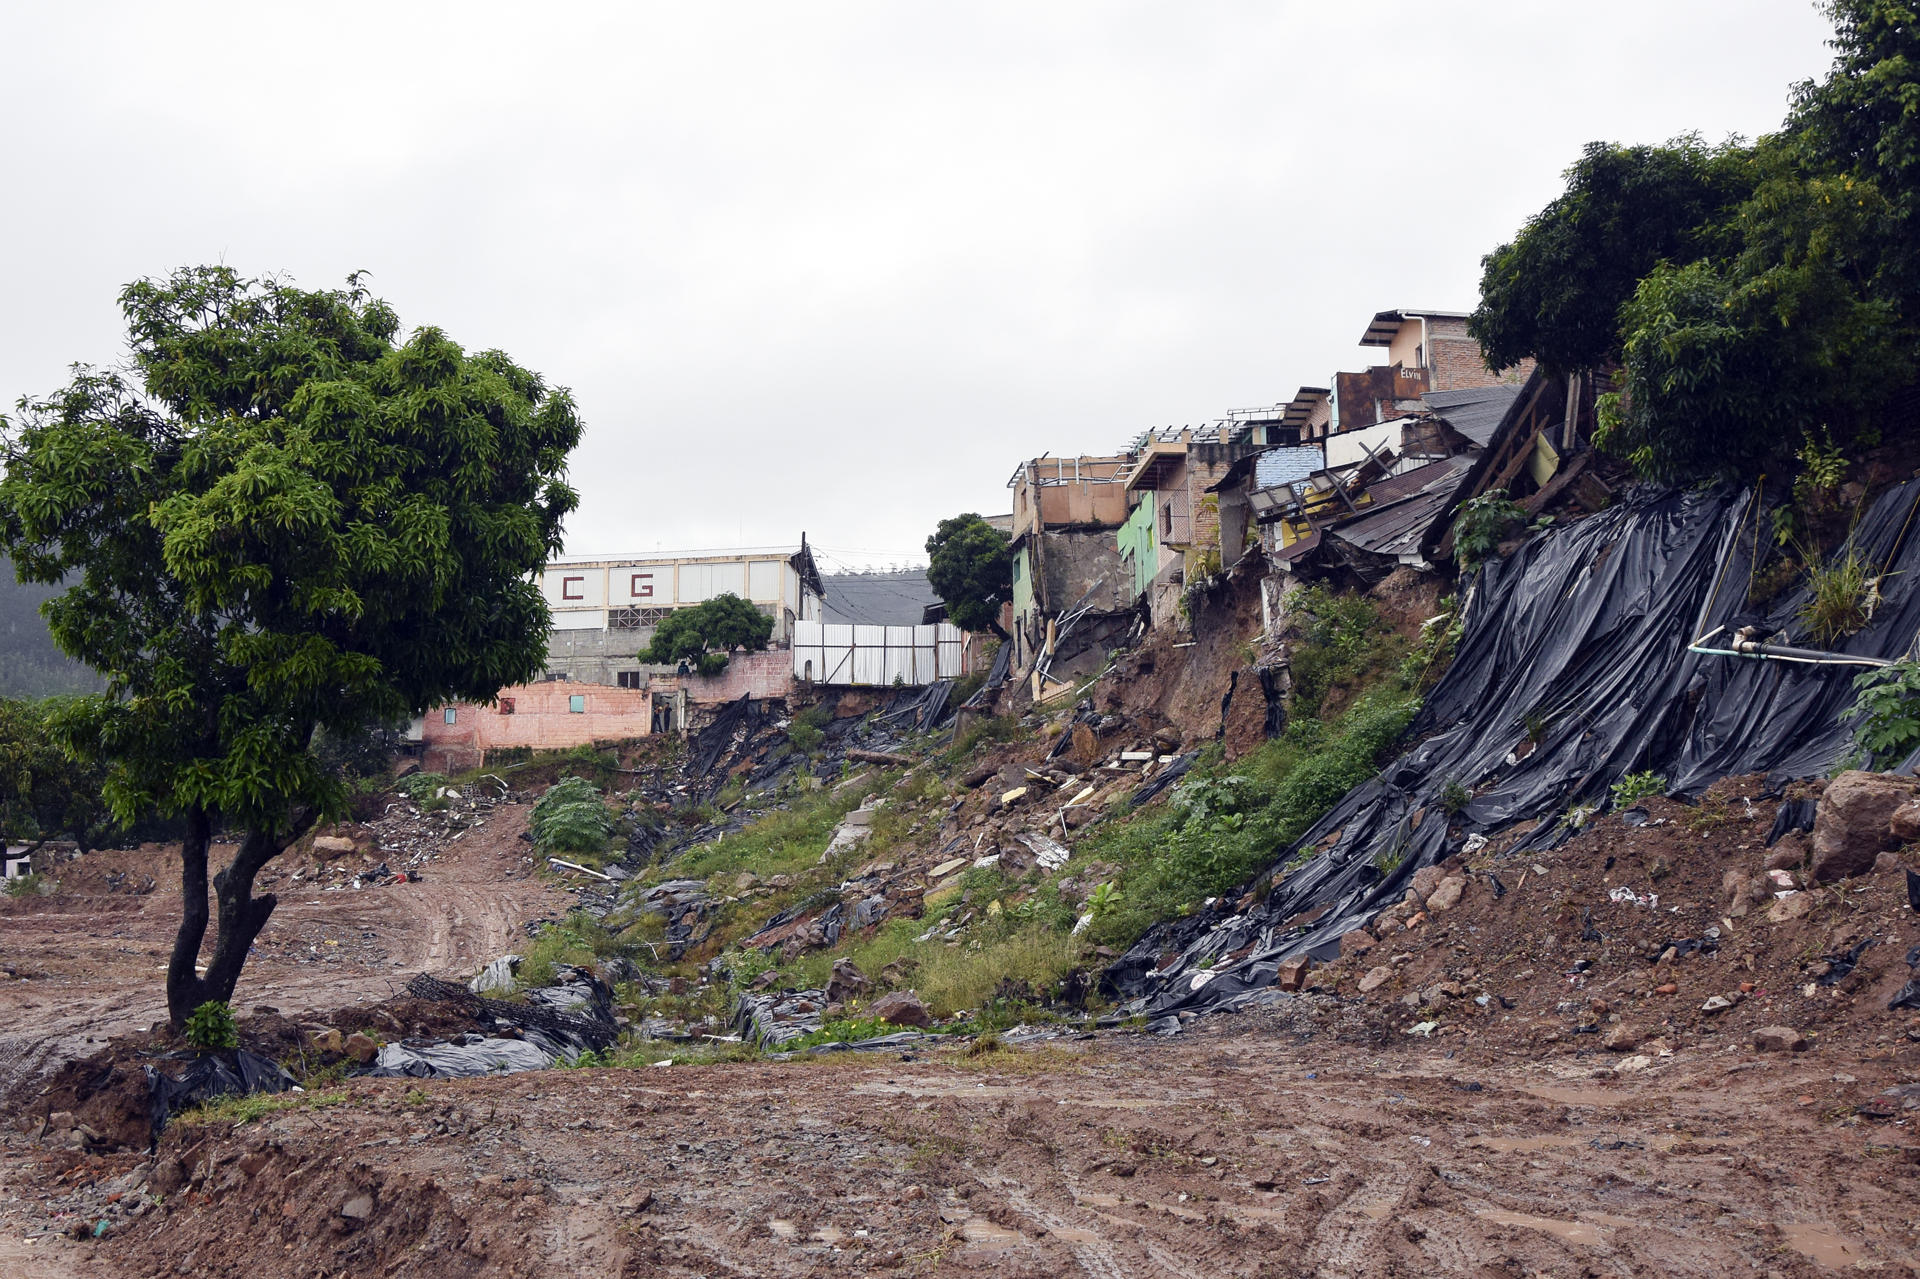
x=705, y=634
x=1784, y=318
x=971, y=568
x=294, y=522
x=1554, y=294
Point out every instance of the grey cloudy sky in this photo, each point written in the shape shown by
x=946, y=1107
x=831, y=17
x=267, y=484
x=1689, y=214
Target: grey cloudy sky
x=839, y=266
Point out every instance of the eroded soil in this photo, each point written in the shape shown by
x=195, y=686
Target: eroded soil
x=1230, y=1150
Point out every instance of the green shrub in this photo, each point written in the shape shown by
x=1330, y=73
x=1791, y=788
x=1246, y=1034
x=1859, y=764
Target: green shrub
x=1485, y=522
x=211, y=1026
x=30, y=885
x=1634, y=787
x=805, y=737
x=570, y=818
x=1889, y=709
x=420, y=787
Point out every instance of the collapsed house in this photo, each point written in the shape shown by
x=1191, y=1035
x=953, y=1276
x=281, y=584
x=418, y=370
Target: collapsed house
x=1072, y=594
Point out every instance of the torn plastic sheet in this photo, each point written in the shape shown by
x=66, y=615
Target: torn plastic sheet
x=233, y=1073
x=1584, y=628
x=557, y=1024
x=471, y=1056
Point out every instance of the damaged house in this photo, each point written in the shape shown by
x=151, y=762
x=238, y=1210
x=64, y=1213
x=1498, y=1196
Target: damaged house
x=1072, y=594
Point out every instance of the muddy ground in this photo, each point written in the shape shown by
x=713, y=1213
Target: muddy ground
x=88, y=963
x=1533, y=1087
x=1234, y=1149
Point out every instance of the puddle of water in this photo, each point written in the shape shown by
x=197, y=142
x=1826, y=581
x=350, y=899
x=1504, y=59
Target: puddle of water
x=1073, y=1234
x=1581, y=1232
x=1523, y=1145
x=1097, y=1199
x=984, y=1237
x=1822, y=1245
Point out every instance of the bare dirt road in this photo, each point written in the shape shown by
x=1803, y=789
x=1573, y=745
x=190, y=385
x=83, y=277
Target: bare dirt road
x=91, y=959
x=1231, y=1150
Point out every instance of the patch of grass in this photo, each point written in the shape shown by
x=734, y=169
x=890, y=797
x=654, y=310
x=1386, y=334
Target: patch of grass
x=1341, y=645
x=848, y=1030
x=982, y=732
x=1176, y=856
x=780, y=843
x=256, y=1106
x=1838, y=597
x=580, y=939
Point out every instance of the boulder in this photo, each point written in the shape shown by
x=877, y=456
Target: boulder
x=1779, y=1039
x=1855, y=823
x=1904, y=825
x=361, y=1048
x=328, y=847
x=1789, y=854
x=1293, y=973
x=1425, y=880
x=1357, y=942
x=1375, y=979
x=1448, y=894
x=327, y=1041
x=847, y=982
x=901, y=1008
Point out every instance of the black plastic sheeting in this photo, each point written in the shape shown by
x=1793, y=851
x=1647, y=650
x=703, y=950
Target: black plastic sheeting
x=1587, y=627
x=557, y=1024
x=234, y=1073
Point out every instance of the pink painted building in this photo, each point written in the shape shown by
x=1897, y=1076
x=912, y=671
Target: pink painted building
x=554, y=715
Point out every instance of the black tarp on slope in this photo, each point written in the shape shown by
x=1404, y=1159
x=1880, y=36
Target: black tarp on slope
x=1586, y=626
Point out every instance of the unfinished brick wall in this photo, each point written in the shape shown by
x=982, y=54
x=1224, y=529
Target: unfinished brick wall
x=1457, y=362
x=767, y=674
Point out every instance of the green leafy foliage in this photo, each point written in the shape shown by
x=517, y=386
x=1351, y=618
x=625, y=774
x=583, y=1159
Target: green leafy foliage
x=210, y=1027
x=1634, y=787
x=570, y=818
x=970, y=566
x=1746, y=291
x=1554, y=294
x=1340, y=643
x=284, y=521
x=1485, y=522
x=46, y=792
x=705, y=634
x=1888, y=706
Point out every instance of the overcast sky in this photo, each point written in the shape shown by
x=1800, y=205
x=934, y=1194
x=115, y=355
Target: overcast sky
x=839, y=267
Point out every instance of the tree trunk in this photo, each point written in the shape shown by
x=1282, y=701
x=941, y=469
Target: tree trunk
x=184, y=985
x=241, y=917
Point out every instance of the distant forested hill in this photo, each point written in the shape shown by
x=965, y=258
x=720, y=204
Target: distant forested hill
x=30, y=666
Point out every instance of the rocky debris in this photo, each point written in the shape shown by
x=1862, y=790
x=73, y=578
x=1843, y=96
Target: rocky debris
x=1904, y=825
x=901, y=1008
x=1627, y=1036
x=847, y=982
x=1375, y=979
x=1854, y=824
x=1779, y=1039
x=1447, y=895
x=1292, y=974
x=361, y=1048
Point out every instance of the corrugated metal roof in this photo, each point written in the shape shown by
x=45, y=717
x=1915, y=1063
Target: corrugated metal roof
x=1474, y=412
x=1403, y=507
x=1287, y=465
x=877, y=599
